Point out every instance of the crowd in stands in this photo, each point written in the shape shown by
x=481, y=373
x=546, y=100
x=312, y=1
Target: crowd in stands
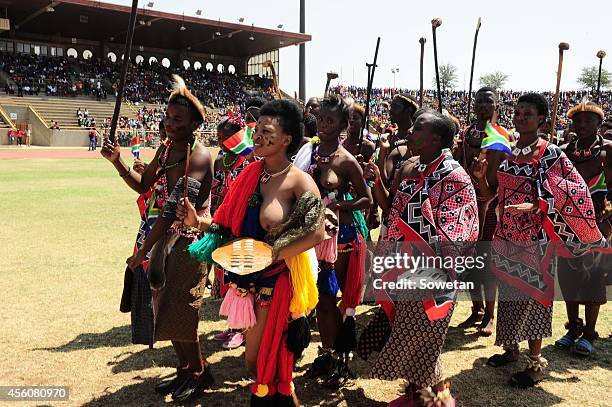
x=53, y=76
x=145, y=85
x=60, y=76
x=456, y=102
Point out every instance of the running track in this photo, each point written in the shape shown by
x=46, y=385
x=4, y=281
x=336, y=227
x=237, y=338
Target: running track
x=13, y=153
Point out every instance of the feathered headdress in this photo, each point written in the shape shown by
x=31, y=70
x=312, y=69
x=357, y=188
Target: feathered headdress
x=180, y=95
x=587, y=106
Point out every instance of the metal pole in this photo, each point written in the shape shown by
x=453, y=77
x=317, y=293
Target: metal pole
x=302, y=61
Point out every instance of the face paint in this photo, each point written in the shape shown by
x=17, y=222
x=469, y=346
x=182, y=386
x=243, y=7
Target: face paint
x=419, y=142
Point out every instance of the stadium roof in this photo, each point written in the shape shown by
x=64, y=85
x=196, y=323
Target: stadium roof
x=99, y=21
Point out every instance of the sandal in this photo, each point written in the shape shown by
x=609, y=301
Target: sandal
x=498, y=360
x=574, y=330
x=532, y=375
x=583, y=347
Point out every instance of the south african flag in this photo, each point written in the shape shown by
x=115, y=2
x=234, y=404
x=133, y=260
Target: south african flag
x=136, y=145
x=241, y=143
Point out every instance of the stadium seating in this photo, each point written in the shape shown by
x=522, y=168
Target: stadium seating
x=63, y=110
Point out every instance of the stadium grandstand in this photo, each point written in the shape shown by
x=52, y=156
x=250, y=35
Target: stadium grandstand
x=60, y=63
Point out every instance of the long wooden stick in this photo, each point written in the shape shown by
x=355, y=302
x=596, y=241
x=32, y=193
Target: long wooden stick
x=369, y=94
x=601, y=55
x=564, y=46
x=127, y=50
x=422, y=41
x=276, y=89
x=435, y=23
x=330, y=76
x=467, y=119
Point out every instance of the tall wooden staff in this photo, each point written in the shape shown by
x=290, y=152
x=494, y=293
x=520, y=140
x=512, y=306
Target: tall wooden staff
x=435, y=23
x=127, y=50
x=601, y=55
x=276, y=89
x=422, y=41
x=364, y=126
x=467, y=119
x=330, y=76
x=564, y=46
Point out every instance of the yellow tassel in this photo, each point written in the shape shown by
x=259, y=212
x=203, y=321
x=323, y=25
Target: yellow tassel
x=262, y=390
x=305, y=295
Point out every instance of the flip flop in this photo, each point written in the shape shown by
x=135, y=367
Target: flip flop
x=583, y=347
x=565, y=341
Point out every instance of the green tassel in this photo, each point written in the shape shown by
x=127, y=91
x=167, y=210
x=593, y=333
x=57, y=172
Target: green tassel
x=359, y=220
x=203, y=249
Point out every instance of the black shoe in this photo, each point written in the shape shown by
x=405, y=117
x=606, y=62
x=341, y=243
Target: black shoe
x=340, y=376
x=170, y=386
x=193, y=386
x=322, y=366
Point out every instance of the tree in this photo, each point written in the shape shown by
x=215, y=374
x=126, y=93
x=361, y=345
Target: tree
x=495, y=80
x=448, y=77
x=588, y=78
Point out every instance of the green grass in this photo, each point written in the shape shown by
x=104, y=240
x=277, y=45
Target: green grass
x=66, y=228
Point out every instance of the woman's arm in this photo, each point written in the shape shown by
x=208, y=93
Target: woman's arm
x=310, y=240
x=363, y=200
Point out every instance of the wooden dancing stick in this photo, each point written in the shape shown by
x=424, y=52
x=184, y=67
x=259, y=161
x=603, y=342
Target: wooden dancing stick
x=127, y=50
x=467, y=119
x=422, y=41
x=330, y=76
x=435, y=23
x=564, y=46
x=364, y=125
x=276, y=89
x=601, y=55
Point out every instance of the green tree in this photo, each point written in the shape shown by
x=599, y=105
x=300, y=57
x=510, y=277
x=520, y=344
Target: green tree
x=448, y=77
x=495, y=80
x=588, y=77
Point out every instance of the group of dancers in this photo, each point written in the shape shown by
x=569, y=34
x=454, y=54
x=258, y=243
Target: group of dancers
x=315, y=201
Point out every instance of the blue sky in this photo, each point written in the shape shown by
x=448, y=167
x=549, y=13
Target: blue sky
x=519, y=37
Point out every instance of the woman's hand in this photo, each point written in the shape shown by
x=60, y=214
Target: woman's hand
x=111, y=151
x=371, y=171
x=384, y=141
x=373, y=220
x=522, y=207
x=139, y=166
x=333, y=206
x=136, y=260
x=186, y=212
x=479, y=170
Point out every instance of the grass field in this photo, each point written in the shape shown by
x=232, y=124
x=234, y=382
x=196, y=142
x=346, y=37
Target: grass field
x=67, y=226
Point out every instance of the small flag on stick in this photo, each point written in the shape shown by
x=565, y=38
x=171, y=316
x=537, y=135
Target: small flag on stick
x=136, y=145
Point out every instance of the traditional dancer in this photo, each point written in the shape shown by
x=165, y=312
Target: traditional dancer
x=393, y=152
x=180, y=285
x=340, y=180
x=582, y=280
x=364, y=153
x=542, y=198
x=433, y=209
x=270, y=200
x=235, y=146
x=486, y=103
